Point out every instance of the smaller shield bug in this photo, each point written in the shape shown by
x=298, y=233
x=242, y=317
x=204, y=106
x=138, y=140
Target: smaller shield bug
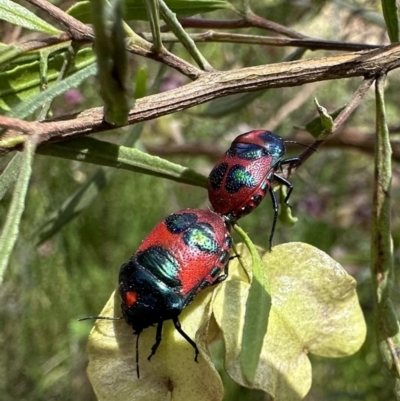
x=242, y=177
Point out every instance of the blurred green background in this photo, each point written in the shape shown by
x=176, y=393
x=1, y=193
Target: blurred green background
x=49, y=286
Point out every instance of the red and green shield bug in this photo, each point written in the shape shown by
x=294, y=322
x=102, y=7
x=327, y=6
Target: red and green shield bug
x=185, y=253
x=242, y=177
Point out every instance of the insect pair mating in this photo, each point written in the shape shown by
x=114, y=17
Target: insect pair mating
x=189, y=250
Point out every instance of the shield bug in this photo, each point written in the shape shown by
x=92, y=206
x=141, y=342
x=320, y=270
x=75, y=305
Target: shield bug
x=185, y=253
x=242, y=177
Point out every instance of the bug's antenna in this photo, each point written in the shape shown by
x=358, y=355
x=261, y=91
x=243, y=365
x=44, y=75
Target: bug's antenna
x=99, y=318
x=302, y=144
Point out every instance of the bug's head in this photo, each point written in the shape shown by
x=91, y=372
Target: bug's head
x=139, y=311
x=271, y=144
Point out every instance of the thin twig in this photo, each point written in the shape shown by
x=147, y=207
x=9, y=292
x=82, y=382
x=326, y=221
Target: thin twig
x=211, y=24
x=353, y=103
x=82, y=33
x=341, y=118
x=227, y=37
x=20, y=125
x=259, y=22
x=349, y=138
x=170, y=19
x=77, y=29
x=249, y=20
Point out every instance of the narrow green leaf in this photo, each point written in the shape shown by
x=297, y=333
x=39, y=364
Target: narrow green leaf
x=9, y=234
x=173, y=23
x=141, y=83
x=103, y=153
x=112, y=61
x=83, y=197
x=22, y=82
x=8, y=52
x=18, y=15
x=75, y=204
x=391, y=15
x=68, y=61
x=285, y=211
x=10, y=174
x=29, y=106
x=257, y=313
x=152, y=8
x=382, y=257
x=136, y=9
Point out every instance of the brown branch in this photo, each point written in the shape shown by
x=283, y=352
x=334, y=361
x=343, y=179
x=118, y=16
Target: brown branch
x=259, y=22
x=15, y=124
x=211, y=24
x=348, y=138
x=78, y=30
x=249, y=20
x=227, y=37
x=340, y=119
x=83, y=33
x=214, y=85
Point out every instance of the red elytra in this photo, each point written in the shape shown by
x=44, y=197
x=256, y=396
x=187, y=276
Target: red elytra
x=198, y=240
x=242, y=177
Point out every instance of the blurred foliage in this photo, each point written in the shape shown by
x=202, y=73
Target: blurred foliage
x=72, y=275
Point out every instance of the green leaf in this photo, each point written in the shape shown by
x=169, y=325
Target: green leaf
x=326, y=119
x=141, y=83
x=18, y=15
x=83, y=197
x=152, y=7
x=8, y=52
x=285, y=211
x=74, y=205
x=175, y=26
x=391, y=15
x=23, y=82
x=382, y=255
x=112, y=61
x=256, y=324
x=10, y=231
x=172, y=372
x=29, y=106
x=316, y=126
x=136, y=9
x=18, y=54
x=314, y=309
x=10, y=174
x=103, y=153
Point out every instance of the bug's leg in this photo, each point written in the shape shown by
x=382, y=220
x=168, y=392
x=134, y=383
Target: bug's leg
x=137, y=355
x=275, y=206
x=178, y=326
x=225, y=274
x=287, y=184
x=292, y=161
x=158, y=340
